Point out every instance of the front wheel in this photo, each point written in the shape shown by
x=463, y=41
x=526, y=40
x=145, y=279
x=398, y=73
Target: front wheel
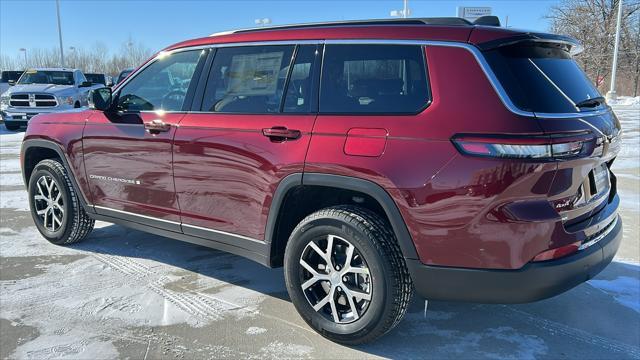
x=54, y=204
x=345, y=274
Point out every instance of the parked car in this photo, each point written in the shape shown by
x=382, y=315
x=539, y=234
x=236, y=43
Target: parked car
x=96, y=79
x=43, y=90
x=470, y=163
x=7, y=79
x=123, y=75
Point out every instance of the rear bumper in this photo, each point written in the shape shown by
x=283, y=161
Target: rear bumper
x=534, y=281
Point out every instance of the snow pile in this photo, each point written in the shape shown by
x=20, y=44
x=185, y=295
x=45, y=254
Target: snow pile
x=626, y=101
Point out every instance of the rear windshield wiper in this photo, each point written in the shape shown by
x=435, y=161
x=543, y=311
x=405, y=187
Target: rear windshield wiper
x=591, y=103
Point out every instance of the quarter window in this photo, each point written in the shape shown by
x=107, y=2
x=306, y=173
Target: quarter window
x=162, y=85
x=301, y=87
x=373, y=79
x=247, y=79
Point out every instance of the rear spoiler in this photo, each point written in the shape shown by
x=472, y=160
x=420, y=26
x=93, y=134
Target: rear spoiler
x=572, y=45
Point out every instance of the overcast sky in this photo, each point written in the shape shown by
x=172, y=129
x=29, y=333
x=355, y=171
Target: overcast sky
x=156, y=24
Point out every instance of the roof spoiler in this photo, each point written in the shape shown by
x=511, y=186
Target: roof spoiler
x=573, y=46
x=488, y=20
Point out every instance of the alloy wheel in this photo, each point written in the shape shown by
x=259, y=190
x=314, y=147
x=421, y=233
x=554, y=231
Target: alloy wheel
x=49, y=203
x=335, y=279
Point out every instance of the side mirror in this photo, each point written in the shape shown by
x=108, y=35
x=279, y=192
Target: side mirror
x=12, y=82
x=100, y=99
x=86, y=84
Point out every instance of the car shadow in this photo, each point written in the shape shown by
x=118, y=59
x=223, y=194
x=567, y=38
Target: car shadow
x=598, y=319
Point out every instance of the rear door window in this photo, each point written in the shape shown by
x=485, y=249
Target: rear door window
x=383, y=79
x=247, y=79
x=543, y=78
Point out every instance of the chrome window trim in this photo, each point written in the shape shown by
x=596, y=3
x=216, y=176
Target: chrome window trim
x=484, y=65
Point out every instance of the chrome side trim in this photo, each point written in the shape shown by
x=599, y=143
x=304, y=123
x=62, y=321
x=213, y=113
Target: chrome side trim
x=219, y=232
x=97, y=207
x=610, y=227
x=495, y=83
x=212, y=231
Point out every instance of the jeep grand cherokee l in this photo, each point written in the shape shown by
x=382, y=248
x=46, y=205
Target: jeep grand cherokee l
x=368, y=158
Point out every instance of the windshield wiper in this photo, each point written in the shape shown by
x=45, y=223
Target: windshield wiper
x=591, y=103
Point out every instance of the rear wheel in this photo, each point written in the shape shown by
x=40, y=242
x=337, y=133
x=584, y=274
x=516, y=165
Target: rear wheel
x=346, y=275
x=55, y=207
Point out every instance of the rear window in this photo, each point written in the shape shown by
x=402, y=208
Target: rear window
x=373, y=79
x=543, y=78
x=96, y=78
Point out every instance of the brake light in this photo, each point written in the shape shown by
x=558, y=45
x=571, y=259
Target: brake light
x=536, y=147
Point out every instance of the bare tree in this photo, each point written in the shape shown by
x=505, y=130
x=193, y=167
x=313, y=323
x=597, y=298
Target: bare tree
x=593, y=23
x=94, y=59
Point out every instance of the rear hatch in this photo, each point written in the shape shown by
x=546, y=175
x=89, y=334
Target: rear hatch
x=540, y=77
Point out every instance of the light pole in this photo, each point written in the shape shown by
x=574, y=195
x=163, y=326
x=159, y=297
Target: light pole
x=611, y=95
x=60, y=33
x=262, y=22
x=25, y=56
x=404, y=13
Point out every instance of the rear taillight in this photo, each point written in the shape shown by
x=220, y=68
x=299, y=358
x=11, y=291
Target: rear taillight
x=535, y=147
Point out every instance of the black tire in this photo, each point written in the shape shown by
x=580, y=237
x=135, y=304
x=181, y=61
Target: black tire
x=76, y=105
x=391, y=287
x=75, y=225
x=11, y=126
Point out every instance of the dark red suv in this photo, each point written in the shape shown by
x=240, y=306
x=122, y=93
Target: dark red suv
x=369, y=158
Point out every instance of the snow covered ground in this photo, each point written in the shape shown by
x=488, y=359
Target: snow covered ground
x=124, y=293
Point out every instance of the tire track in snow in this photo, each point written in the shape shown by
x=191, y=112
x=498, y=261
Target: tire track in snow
x=201, y=306
x=573, y=333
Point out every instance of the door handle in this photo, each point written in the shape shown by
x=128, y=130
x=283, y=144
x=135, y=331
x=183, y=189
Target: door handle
x=157, y=126
x=281, y=133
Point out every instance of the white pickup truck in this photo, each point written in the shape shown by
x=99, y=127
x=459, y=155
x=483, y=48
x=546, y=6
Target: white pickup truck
x=43, y=90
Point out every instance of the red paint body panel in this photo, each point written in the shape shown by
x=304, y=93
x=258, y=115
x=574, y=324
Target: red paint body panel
x=226, y=170
x=126, y=151
x=64, y=129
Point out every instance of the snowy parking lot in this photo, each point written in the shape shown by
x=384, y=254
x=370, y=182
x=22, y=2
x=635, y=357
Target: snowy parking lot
x=124, y=293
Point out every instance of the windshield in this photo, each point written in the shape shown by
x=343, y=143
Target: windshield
x=47, y=77
x=95, y=78
x=543, y=78
x=10, y=75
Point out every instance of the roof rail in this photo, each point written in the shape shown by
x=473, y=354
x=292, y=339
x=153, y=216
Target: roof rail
x=453, y=21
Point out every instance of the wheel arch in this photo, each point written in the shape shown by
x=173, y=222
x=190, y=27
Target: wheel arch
x=35, y=150
x=377, y=199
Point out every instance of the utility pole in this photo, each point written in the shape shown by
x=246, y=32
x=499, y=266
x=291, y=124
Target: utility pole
x=60, y=33
x=611, y=95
